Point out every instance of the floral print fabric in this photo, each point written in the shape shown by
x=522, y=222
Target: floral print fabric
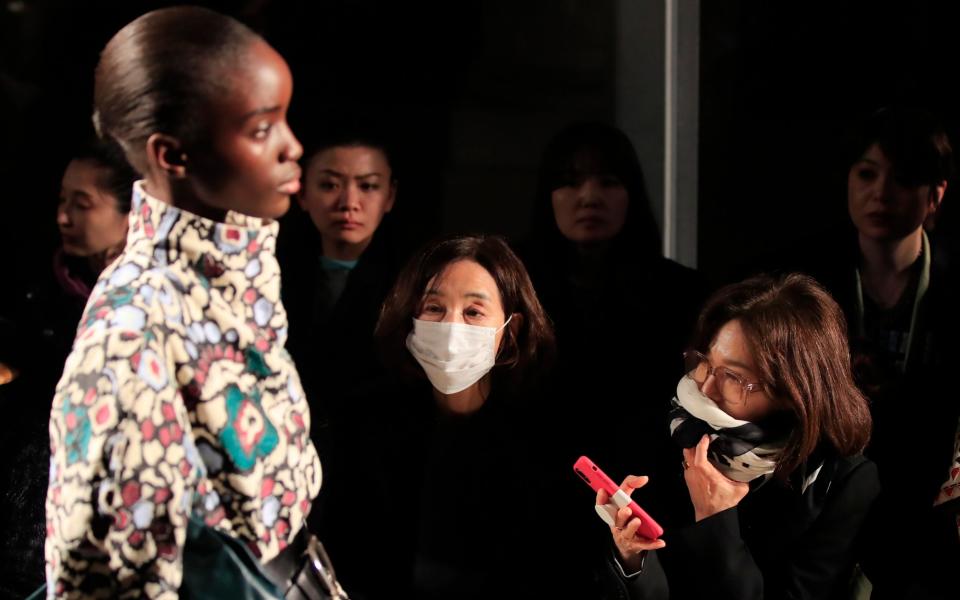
x=178, y=398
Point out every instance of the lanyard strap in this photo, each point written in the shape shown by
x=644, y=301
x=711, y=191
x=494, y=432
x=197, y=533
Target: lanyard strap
x=922, y=286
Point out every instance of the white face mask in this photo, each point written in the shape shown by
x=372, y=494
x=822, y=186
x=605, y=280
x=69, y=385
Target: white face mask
x=453, y=355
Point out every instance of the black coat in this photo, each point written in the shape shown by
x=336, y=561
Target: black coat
x=334, y=349
x=777, y=543
x=423, y=504
x=915, y=415
x=621, y=330
x=620, y=337
x=38, y=321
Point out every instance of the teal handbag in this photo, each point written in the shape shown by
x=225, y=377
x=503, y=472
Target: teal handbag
x=216, y=565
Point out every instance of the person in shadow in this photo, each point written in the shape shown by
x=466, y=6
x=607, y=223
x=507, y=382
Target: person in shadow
x=623, y=312
x=339, y=258
x=39, y=320
x=896, y=291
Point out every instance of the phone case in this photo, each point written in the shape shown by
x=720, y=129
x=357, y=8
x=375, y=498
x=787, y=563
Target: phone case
x=598, y=480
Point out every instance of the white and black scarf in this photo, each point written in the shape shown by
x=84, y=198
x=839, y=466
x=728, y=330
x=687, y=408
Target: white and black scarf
x=749, y=452
x=741, y=450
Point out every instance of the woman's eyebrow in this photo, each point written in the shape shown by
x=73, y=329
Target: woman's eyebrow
x=732, y=362
x=740, y=365
x=261, y=111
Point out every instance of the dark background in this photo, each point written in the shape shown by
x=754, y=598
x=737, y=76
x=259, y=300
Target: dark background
x=781, y=83
x=472, y=90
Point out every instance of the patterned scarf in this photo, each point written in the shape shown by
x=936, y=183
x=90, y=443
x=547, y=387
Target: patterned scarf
x=741, y=450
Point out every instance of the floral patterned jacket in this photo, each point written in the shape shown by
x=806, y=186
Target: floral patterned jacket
x=178, y=398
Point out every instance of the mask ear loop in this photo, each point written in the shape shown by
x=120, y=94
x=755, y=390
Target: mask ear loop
x=499, y=329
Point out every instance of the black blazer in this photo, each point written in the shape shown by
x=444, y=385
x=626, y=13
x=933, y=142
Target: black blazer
x=334, y=350
x=915, y=417
x=777, y=543
x=427, y=505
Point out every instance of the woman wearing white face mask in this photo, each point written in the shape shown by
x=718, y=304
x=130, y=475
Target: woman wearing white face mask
x=447, y=460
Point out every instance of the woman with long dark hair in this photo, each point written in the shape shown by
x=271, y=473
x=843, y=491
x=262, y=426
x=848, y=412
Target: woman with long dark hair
x=622, y=310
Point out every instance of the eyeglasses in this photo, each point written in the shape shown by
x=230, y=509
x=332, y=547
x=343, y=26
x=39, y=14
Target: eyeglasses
x=732, y=386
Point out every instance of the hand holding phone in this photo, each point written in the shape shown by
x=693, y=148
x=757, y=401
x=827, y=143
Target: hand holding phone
x=598, y=480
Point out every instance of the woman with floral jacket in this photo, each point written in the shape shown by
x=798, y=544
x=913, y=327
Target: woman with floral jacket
x=179, y=400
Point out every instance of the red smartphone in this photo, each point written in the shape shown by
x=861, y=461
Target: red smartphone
x=598, y=480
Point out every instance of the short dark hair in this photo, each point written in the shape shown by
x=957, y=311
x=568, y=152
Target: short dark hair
x=119, y=176
x=913, y=140
x=158, y=73
x=798, y=336
x=351, y=134
x=534, y=342
x=613, y=153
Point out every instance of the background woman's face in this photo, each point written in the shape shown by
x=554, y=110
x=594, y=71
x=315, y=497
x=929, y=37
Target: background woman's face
x=881, y=207
x=87, y=214
x=464, y=292
x=347, y=190
x=590, y=208
x=248, y=163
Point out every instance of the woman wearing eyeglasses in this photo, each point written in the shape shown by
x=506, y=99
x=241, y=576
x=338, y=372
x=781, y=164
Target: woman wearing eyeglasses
x=771, y=427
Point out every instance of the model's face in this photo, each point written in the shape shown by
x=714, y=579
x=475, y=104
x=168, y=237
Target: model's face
x=881, y=207
x=347, y=190
x=590, y=207
x=248, y=163
x=464, y=292
x=87, y=215
x=731, y=351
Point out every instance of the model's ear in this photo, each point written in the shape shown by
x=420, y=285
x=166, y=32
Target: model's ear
x=935, y=201
x=165, y=153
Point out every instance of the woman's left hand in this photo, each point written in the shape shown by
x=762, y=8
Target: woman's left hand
x=710, y=491
x=630, y=544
